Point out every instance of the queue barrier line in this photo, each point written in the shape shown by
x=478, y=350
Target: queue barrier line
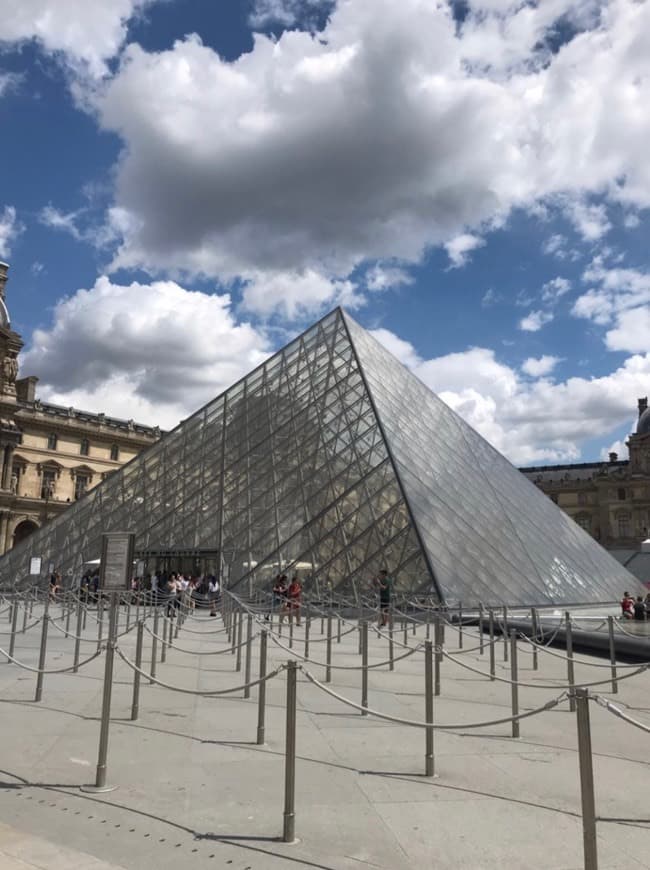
x=298, y=655
x=55, y=670
x=576, y=661
x=414, y=723
x=201, y=692
x=575, y=685
x=228, y=649
x=616, y=711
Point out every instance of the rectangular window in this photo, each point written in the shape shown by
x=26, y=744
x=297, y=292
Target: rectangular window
x=624, y=526
x=115, y=453
x=48, y=483
x=622, y=494
x=80, y=485
x=84, y=448
x=52, y=441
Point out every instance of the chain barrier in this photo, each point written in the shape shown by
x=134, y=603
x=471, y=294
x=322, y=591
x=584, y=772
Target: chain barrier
x=228, y=649
x=55, y=670
x=206, y=693
x=576, y=685
x=549, y=705
x=279, y=643
x=616, y=711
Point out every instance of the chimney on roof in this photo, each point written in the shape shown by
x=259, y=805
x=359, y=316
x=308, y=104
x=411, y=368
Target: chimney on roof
x=643, y=404
x=613, y=457
x=4, y=269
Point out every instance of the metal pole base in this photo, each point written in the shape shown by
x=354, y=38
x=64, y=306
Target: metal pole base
x=97, y=789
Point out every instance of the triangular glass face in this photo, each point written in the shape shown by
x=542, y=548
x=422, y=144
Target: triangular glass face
x=490, y=535
x=332, y=460
x=285, y=472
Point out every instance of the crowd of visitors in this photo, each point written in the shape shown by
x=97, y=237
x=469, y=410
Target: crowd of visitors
x=635, y=608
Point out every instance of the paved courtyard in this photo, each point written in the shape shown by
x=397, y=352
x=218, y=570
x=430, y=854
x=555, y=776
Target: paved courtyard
x=195, y=790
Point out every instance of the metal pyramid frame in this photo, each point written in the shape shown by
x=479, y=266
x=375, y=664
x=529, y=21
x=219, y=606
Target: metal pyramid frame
x=333, y=460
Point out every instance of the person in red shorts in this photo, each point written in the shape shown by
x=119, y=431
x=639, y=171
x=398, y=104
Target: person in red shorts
x=294, y=597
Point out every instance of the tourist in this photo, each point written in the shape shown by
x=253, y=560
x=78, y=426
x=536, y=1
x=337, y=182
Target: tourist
x=280, y=593
x=54, y=586
x=639, y=609
x=213, y=590
x=627, y=606
x=294, y=595
x=383, y=583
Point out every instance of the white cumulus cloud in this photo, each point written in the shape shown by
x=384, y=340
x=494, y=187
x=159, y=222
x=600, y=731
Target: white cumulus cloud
x=150, y=351
x=539, y=367
x=534, y=321
x=10, y=228
x=529, y=421
x=86, y=32
x=392, y=130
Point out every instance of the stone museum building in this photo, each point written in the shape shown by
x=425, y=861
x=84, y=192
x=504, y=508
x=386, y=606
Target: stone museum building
x=609, y=500
x=51, y=455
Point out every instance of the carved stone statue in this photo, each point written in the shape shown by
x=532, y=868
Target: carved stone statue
x=10, y=369
x=14, y=483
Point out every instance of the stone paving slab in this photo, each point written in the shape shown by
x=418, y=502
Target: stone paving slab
x=195, y=789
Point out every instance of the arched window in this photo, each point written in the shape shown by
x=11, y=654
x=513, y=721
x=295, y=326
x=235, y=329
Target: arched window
x=115, y=452
x=52, y=441
x=84, y=449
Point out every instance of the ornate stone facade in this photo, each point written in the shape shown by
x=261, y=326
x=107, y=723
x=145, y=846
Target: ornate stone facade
x=50, y=455
x=610, y=500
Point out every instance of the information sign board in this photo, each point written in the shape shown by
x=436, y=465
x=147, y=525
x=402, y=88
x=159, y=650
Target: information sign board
x=117, y=560
x=35, y=565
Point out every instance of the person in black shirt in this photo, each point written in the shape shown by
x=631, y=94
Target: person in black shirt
x=639, y=609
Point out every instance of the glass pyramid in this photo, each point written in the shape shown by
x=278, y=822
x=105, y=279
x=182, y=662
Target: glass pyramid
x=333, y=460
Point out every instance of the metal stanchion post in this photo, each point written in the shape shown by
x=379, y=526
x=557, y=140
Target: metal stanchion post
x=14, y=622
x=535, y=630
x=247, y=663
x=428, y=708
x=612, y=653
x=391, y=645
x=100, y=779
x=364, y=667
x=128, y=614
x=289, y=817
x=328, y=669
x=586, y=781
x=261, y=696
x=135, y=703
x=569, y=660
x=77, y=640
x=307, y=629
x=428, y=621
x=100, y=619
x=68, y=613
x=438, y=639
x=514, y=685
x=163, y=645
x=240, y=634
x=290, y=618
x=233, y=632
x=25, y=614
x=42, y=651
x=405, y=638
x=154, y=644
x=480, y=629
x=460, y=626
x=492, y=661
x=338, y=629
x=505, y=633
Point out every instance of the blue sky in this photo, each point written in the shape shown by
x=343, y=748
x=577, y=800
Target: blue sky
x=185, y=185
